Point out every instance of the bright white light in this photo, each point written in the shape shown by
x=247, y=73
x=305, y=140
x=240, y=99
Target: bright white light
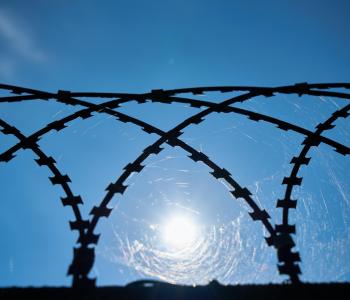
x=179, y=232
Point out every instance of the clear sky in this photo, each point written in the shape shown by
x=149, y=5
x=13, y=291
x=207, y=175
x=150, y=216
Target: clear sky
x=136, y=46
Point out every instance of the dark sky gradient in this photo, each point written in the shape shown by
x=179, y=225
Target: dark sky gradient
x=139, y=45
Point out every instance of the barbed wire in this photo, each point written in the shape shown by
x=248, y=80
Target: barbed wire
x=280, y=235
x=286, y=257
x=58, y=178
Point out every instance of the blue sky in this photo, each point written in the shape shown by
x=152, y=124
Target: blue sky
x=136, y=46
x=181, y=43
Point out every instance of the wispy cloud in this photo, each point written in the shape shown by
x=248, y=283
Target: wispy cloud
x=7, y=67
x=17, y=44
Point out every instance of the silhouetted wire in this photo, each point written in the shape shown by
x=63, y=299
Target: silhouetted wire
x=280, y=237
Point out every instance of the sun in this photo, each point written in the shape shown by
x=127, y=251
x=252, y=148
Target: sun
x=179, y=232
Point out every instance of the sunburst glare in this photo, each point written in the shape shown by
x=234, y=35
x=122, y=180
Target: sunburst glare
x=179, y=232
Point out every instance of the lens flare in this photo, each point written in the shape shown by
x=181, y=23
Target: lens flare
x=183, y=250
x=179, y=232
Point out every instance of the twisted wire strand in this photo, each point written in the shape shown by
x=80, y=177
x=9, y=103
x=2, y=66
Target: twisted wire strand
x=86, y=113
x=287, y=258
x=164, y=96
x=58, y=178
